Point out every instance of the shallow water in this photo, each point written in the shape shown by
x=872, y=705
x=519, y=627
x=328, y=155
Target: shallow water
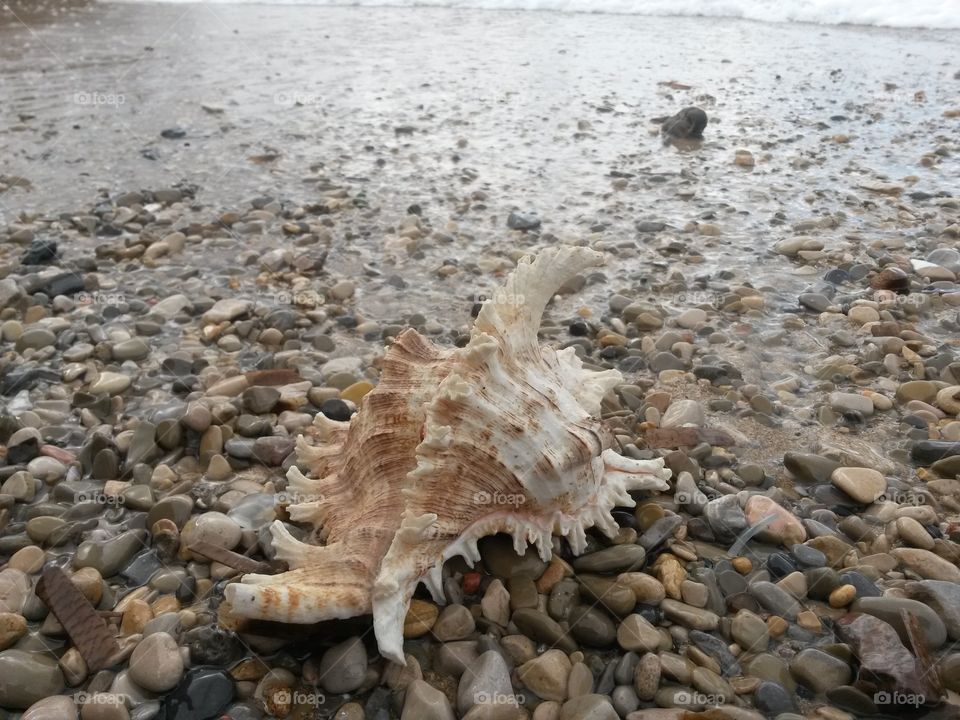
x=504, y=110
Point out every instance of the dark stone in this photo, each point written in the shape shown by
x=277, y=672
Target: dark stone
x=139, y=570
x=522, y=221
x=928, y=451
x=772, y=699
x=809, y=556
x=174, y=133
x=864, y=585
x=807, y=467
x=578, y=328
x=26, y=379
x=213, y=645
x=202, y=694
x=650, y=226
x=336, y=409
x=63, y=284
x=39, y=252
x=821, y=582
x=23, y=452
x=852, y=700
x=779, y=565
x=688, y=123
x=717, y=649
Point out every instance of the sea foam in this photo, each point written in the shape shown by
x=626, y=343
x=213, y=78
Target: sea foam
x=885, y=13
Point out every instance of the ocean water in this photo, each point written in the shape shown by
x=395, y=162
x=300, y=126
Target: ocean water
x=943, y=14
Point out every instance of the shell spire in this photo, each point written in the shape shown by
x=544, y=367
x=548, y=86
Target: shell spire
x=502, y=435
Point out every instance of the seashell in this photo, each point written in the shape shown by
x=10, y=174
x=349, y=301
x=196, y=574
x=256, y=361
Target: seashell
x=502, y=435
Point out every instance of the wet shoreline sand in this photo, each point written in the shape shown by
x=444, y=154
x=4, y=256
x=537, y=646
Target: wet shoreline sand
x=247, y=211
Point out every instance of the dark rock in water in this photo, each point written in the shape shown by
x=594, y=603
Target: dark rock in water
x=202, y=694
x=884, y=661
x=891, y=278
x=212, y=645
x=809, y=468
x=39, y=252
x=67, y=283
x=650, y=226
x=578, y=328
x=522, y=221
x=928, y=451
x=336, y=409
x=847, y=697
x=772, y=699
x=688, y=123
x=716, y=648
x=837, y=276
x=174, y=133
x=24, y=448
x=25, y=379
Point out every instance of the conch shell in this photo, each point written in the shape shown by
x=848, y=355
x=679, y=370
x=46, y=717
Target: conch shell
x=502, y=435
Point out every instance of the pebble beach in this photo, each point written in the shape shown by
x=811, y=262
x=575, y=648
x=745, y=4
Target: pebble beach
x=213, y=220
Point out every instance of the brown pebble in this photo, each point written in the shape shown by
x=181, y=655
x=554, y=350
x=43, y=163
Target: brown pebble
x=420, y=618
x=742, y=565
x=777, y=625
x=843, y=596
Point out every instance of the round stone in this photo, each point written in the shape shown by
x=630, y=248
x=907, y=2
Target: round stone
x=843, y=596
x=156, y=664
x=864, y=485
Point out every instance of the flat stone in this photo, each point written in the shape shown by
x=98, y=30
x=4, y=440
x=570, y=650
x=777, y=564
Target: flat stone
x=927, y=565
x=819, y=671
x=785, y=529
x=26, y=677
x=943, y=598
x=809, y=468
x=156, y=664
x=110, y=383
x=454, y=623
x=547, y=675
x=683, y=412
x=589, y=707
x=689, y=616
x=227, y=309
x=774, y=599
x=423, y=702
x=750, y=631
x=636, y=633
x=851, y=402
x=614, y=559
x=540, y=627
x=864, y=485
x=485, y=681
x=888, y=609
x=343, y=667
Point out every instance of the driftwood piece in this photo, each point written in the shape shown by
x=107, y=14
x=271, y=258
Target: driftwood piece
x=230, y=558
x=86, y=628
